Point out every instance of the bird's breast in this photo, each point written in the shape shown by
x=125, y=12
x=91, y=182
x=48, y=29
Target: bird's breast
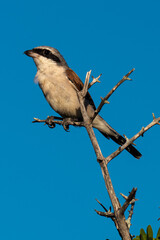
x=60, y=94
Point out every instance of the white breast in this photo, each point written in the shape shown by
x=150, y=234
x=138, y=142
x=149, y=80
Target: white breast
x=59, y=92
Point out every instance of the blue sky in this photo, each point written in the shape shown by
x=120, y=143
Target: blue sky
x=49, y=179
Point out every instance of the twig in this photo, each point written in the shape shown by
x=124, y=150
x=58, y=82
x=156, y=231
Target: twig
x=126, y=197
x=102, y=205
x=51, y=121
x=131, y=140
x=104, y=100
x=128, y=221
x=108, y=215
x=105, y=214
x=128, y=200
x=86, y=84
x=95, y=80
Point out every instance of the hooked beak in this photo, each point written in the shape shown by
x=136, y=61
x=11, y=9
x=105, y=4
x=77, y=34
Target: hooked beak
x=29, y=53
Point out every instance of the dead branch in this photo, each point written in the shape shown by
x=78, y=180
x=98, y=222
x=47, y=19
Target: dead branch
x=128, y=221
x=86, y=85
x=117, y=216
x=132, y=203
x=103, y=206
x=51, y=122
x=120, y=218
x=94, y=81
x=131, y=140
x=128, y=201
x=105, y=99
x=122, y=224
x=107, y=214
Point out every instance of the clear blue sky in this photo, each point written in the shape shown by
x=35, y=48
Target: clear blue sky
x=49, y=179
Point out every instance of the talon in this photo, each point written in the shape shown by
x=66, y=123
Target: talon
x=66, y=127
x=49, y=122
x=66, y=124
x=52, y=126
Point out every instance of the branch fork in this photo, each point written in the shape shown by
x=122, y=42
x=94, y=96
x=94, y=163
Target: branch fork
x=95, y=80
x=130, y=200
x=122, y=224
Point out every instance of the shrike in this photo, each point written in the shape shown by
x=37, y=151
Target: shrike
x=57, y=82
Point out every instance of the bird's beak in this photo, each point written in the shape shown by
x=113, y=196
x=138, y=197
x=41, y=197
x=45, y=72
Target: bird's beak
x=29, y=53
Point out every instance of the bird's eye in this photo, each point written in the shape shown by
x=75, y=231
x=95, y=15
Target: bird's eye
x=46, y=52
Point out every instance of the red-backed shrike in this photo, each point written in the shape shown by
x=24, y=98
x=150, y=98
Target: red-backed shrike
x=57, y=81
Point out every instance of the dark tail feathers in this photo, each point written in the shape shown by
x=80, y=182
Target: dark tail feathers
x=132, y=150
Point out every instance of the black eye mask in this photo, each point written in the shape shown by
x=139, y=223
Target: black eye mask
x=46, y=53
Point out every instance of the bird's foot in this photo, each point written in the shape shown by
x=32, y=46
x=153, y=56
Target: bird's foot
x=49, y=122
x=66, y=122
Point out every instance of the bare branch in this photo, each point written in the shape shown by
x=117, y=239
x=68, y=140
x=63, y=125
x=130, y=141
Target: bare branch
x=51, y=122
x=126, y=197
x=120, y=219
x=118, y=216
x=104, y=100
x=128, y=221
x=131, y=140
x=95, y=80
x=128, y=139
x=86, y=84
x=87, y=122
x=105, y=214
x=51, y=118
x=102, y=205
x=128, y=201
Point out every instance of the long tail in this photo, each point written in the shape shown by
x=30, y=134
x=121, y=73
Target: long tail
x=132, y=150
x=109, y=132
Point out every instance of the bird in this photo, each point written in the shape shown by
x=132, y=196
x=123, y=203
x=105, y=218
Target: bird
x=59, y=82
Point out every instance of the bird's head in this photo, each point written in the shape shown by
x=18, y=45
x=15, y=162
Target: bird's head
x=46, y=58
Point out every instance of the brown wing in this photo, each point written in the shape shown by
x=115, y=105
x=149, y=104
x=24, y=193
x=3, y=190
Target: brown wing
x=73, y=77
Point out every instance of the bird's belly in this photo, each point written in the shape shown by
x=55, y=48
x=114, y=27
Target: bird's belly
x=62, y=98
